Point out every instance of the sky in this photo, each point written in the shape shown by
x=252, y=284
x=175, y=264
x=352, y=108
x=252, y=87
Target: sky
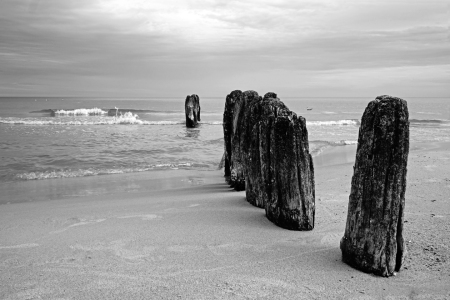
x=167, y=48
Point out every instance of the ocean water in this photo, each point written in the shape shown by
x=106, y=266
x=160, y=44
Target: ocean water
x=81, y=140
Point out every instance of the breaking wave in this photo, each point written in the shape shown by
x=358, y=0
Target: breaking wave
x=429, y=122
x=317, y=147
x=353, y=122
x=81, y=112
x=93, y=172
x=427, y=113
x=344, y=143
x=101, y=111
x=127, y=118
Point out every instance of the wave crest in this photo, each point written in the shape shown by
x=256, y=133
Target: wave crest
x=429, y=122
x=353, y=122
x=80, y=112
x=93, y=172
x=317, y=147
x=127, y=118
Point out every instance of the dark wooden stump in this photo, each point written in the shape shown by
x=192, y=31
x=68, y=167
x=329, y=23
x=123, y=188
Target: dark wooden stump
x=255, y=191
x=228, y=129
x=192, y=110
x=238, y=143
x=373, y=239
x=280, y=170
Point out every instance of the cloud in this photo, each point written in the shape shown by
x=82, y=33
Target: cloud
x=141, y=47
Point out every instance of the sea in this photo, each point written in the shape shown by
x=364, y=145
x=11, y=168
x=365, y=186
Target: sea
x=61, y=138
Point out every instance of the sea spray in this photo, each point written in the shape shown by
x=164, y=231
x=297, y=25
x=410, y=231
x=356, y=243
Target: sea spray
x=125, y=119
x=81, y=112
x=353, y=122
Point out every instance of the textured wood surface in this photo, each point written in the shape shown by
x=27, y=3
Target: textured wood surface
x=254, y=180
x=373, y=240
x=192, y=110
x=239, y=147
x=228, y=117
x=280, y=168
x=267, y=154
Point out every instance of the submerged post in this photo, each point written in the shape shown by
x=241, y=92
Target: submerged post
x=192, y=110
x=373, y=239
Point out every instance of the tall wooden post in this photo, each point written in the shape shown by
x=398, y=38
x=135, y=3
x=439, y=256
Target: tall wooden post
x=239, y=145
x=280, y=170
x=228, y=128
x=373, y=239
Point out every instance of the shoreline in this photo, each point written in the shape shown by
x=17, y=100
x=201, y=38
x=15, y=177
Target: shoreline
x=148, y=181
x=155, y=180
x=76, y=187
x=203, y=240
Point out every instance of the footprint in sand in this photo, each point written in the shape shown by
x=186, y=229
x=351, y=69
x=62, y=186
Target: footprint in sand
x=142, y=217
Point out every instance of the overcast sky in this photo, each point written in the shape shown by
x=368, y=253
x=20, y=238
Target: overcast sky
x=145, y=48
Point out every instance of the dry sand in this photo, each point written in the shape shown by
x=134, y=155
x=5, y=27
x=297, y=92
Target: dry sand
x=184, y=235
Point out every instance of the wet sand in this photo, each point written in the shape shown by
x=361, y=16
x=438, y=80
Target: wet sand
x=186, y=235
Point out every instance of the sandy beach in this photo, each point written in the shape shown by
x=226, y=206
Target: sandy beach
x=186, y=235
x=115, y=116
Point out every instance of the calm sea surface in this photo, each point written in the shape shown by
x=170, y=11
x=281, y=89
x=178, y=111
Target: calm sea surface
x=82, y=140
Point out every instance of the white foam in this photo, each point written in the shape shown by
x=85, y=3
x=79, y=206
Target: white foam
x=317, y=147
x=81, y=112
x=333, y=123
x=93, y=172
x=213, y=123
x=427, y=113
x=163, y=122
x=142, y=217
x=56, y=174
x=173, y=165
x=345, y=142
x=127, y=118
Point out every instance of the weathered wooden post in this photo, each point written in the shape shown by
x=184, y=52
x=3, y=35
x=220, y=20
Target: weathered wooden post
x=238, y=141
x=373, y=239
x=228, y=129
x=255, y=191
x=280, y=168
x=192, y=110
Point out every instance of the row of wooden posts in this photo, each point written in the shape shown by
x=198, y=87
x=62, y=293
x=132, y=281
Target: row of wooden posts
x=267, y=155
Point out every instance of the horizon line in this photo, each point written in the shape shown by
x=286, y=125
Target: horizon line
x=172, y=97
